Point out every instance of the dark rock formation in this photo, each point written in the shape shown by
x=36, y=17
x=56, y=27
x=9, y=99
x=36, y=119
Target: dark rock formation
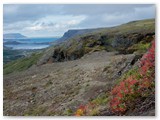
x=76, y=48
x=124, y=41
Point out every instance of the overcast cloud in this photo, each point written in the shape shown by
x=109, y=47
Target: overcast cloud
x=36, y=20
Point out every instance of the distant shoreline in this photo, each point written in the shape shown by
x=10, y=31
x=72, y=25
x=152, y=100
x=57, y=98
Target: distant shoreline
x=29, y=43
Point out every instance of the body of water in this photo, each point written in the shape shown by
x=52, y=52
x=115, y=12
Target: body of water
x=27, y=46
x=29, y=43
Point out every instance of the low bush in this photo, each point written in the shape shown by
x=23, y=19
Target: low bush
x=136, y=85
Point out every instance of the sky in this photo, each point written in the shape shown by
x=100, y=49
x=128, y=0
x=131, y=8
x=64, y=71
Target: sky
x=49, y=20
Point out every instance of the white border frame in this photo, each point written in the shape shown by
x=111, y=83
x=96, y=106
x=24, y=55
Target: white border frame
x=157, y=2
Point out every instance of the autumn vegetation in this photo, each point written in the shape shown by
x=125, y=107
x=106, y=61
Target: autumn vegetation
x=139, y=84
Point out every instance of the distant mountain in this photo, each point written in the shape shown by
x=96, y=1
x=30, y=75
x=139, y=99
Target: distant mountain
x=12, y=43
x=6, y=48
x=73, y=33
x=14, y=36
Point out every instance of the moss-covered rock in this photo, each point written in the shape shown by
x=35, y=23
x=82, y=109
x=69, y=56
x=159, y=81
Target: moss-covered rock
x=126, y=39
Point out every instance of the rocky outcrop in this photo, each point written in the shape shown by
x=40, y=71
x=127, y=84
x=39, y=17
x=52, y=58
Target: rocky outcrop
x=77, y=43
x=122, y=42
x=77, y=48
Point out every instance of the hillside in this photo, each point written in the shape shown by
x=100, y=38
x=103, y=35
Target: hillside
x=127, y=38
x=85, y=74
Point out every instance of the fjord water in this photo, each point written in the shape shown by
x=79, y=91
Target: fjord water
x=30, y=43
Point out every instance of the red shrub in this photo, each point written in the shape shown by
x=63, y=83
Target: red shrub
x=131, y=88
x=148, y=60
x=81, y=110
x=134, y=86
x=85, y=110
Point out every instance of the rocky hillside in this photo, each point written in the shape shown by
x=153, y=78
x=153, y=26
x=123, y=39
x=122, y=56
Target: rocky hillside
x=84, y=75
x=52, y=89
x=126, y=39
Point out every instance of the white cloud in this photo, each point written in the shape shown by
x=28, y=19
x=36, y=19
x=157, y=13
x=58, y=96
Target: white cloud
x=54, y=19
x=38, y=27
x=113, y=17
x=56, y=23
x=47, y=26
x=116, y=18
x=145, y=11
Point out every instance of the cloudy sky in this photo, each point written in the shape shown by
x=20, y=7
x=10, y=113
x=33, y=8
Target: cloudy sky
x=42, y=20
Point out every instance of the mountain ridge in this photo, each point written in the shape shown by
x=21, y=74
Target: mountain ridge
x=13, y=36
x=77, y=32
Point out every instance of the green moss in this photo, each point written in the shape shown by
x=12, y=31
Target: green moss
x=143, y=47
x=94, y=112
x=101, y=100
x=139, y=47
x=68, y=112
x=21, y=64
x=132, y=72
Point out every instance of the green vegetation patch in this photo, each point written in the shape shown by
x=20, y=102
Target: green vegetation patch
x=139, y=47
x=68, y=112
x=131, y=72
x=10, y=55
x=21, y=64
x=101, y=100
